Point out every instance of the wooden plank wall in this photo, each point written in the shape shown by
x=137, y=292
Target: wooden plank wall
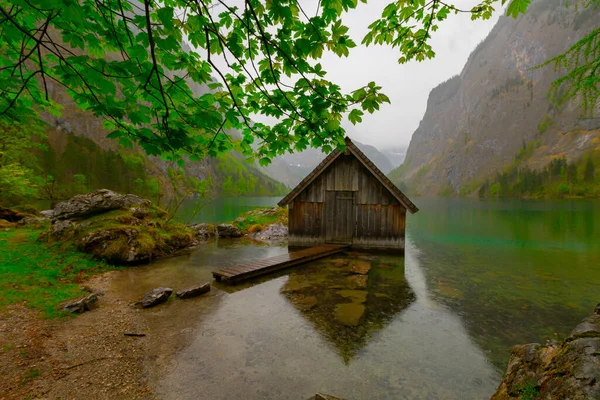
x=380, y=218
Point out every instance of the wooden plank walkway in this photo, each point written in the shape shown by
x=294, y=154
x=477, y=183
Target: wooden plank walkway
x=255, y=268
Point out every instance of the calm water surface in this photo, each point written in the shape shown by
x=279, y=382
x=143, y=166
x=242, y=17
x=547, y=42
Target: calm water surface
x=222, y=209
x=477, y=278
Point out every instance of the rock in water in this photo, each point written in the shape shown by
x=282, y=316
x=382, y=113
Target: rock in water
x=88, y=303
x=193, y=291
x=155, y=297
x=103, y=200
x=357, y=281
x=321, y=396
x=228, y=230
x=567, y=370
x=360, y=267
x=272, y=232
x=203, y=231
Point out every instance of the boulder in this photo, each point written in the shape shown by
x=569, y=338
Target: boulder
x=303, y=303
x=121, y=245
x=193, y=291
x=87, y=303
x=567, y=370
x=228, y=230
x=203, y=231
x=272, y=232
x=103, y=200
x=47, y=214
x=155, y=297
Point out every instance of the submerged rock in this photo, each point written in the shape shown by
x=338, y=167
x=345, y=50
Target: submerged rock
x=87, y=303
x=193, y=291
x=567, y=370
x=155, y=297
x=303, y=303
x=203, y=231
x=360, y=267
x=349, y=313
x=97, y=202
x=357, y=281
x=228, y=230
x=339, y=262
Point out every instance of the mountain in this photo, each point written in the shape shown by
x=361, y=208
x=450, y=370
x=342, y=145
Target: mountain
x=497, y=111
x=77, y=148
x=290, y=169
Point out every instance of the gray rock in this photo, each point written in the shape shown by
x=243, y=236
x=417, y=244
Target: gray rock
x=193, y=291
x=60, y=226
x=566, y=370
x=321, y=396
x=203, y=231
x=87, y=303
x=155, y=297
x=131, y=250
x=30, y=220
x=273, y=232
x=228, y=230
x=103, y=200
x=47, y=214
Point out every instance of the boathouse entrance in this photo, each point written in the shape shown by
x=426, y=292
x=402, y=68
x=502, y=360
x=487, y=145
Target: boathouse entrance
x=339, y=216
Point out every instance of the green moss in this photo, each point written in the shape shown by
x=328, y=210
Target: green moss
x=257, y=220
x=41, y=275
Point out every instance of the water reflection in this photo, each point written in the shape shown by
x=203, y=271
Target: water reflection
x=515, y=271
x=349, y=297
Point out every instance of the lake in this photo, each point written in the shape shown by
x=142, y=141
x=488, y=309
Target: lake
x=221, y=209
x=477, y=278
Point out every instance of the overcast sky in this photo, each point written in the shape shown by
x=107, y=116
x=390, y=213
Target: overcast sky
x=406, y=85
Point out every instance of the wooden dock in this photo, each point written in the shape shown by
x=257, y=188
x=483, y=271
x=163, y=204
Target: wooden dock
x=255, y=268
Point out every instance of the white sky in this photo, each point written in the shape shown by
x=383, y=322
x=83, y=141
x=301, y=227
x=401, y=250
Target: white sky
x=406, y=85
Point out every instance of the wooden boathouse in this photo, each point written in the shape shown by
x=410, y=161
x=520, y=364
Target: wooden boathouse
x=347, y=200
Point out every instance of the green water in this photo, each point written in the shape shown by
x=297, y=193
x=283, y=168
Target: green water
x=222, y=209
x=477, y=278
x=515, y=271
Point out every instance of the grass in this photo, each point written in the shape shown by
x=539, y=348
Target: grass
x=528, y=391
x=41, y=275
x=257, y=220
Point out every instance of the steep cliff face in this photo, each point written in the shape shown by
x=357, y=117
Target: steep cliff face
x=476, y=123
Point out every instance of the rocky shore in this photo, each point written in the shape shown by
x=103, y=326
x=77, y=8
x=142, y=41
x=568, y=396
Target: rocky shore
x=556, y=370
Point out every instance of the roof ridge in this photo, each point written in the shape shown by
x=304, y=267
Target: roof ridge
x=384, y=180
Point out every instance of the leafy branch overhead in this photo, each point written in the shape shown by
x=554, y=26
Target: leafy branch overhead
x=175, y=76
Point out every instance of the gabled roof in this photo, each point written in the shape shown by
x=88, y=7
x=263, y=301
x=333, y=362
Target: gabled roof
x=368, y=164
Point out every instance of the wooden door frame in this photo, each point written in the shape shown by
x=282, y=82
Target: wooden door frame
x=330, y=202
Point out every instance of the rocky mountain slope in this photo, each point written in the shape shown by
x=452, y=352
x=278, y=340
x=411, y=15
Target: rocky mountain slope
x=477, y=122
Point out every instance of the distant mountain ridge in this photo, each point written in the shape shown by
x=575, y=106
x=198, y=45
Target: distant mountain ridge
x=478, y=122
x=290, y=169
